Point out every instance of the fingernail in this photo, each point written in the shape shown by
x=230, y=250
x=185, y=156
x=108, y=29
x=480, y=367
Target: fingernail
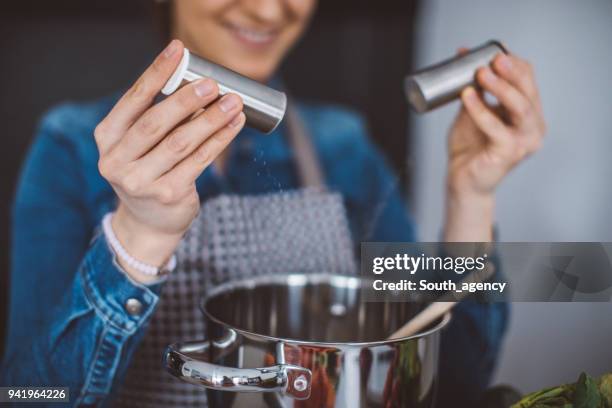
x=470, y=94
x=488, y=76
x=236, y=121
x=204, y=88
x=171, y=49
x=228, y=103
x=505, y=62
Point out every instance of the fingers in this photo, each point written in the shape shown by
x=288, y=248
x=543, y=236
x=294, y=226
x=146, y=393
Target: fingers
x=185, y=139
x=518, y=73
x=160, y=119
x=485, y=119
x=194, y=164
x=521, y=75
x=179, y=182
x=517, y=104
x=140, y=96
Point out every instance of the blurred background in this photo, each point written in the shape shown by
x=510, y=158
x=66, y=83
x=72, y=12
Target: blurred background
x=356, y=54
x=563, y=193
x=71, y=50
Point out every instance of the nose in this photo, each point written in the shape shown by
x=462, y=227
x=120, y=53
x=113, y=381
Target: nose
x=265, y=11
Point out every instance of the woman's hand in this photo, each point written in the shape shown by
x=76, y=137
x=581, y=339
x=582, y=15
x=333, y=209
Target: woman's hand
x=152, y=154
x=486, y=142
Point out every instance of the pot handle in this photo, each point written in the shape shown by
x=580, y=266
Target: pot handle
x=286, y=378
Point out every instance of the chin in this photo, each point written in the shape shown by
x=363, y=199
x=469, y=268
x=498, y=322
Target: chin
x=261, y=72
x=257, y=64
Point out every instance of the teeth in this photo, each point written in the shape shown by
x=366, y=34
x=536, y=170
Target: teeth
x=254, y=36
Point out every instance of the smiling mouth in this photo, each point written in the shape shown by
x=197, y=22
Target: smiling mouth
x=253, y=37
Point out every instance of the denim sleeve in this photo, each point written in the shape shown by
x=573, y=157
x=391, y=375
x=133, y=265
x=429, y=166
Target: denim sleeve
x=68, y=324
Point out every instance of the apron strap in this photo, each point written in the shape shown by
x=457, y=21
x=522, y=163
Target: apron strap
x=307, y=162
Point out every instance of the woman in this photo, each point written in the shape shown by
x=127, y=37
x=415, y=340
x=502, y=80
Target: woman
x=80, y=306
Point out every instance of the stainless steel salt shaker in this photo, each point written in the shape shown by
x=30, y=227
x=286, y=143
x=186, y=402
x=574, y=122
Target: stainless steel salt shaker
x=264, y=107
x=441, y=83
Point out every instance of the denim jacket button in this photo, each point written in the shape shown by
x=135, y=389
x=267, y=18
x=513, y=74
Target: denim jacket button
x=133, y=306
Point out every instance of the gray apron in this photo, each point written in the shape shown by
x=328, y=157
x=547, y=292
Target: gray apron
x=235, y=237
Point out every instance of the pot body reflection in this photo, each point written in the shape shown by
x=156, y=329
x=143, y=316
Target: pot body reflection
x=309, y=341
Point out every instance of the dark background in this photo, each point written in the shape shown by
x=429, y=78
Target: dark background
x=355, y=54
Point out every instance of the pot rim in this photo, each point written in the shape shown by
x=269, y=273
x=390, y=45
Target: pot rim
x=298, y=279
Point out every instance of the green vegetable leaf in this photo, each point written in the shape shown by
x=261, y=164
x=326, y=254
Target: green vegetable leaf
x=587, y=393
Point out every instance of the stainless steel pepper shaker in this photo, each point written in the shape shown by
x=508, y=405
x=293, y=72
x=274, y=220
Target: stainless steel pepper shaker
x=264, y=107
x=441, y=83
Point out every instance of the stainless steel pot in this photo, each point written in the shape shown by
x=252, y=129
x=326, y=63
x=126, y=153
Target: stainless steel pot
x=308, y=341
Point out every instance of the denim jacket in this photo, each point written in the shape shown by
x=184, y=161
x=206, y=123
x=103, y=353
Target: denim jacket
x=69, y=325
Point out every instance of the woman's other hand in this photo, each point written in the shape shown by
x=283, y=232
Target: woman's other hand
x=152, y=154
x=486, y=142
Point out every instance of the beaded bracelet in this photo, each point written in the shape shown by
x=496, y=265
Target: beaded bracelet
x=120, y=251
